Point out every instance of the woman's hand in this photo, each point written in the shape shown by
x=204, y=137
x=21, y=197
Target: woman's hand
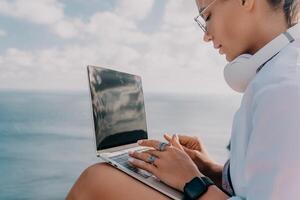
x=172, y=166
x=198, y=153
x=191, y=145
x=194, y=148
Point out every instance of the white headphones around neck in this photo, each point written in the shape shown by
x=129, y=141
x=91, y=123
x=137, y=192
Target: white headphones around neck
x=239, y=72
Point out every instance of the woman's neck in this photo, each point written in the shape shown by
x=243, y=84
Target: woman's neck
x=267, y=30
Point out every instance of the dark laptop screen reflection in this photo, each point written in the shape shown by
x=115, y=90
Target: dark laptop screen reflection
x=118, y=107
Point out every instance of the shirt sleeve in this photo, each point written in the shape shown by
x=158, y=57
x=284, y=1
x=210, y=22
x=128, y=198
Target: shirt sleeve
x=272, y=167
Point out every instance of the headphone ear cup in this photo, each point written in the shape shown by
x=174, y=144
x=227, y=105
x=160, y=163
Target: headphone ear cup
x=237, y=72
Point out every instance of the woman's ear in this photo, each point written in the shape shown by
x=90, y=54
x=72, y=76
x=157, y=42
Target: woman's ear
x=247, y=4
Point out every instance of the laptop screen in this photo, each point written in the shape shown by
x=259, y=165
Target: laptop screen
x=118, y=107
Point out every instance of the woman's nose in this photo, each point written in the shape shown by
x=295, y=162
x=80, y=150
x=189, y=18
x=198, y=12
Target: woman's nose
x=207, y=37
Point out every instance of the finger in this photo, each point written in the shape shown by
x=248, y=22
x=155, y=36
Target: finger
x=175, y=142
x=170, y=139
x=167, y=137
x=185, y=140
x=143, y=165
x=150, y=143
x=188, y=151
x=182, y=138
x=141, y=156
x=155, y=153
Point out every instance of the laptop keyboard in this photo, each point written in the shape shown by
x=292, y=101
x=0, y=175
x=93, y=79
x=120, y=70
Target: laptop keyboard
x=122, y=159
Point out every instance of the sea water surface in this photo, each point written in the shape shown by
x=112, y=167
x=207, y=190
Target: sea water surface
x=46, y=138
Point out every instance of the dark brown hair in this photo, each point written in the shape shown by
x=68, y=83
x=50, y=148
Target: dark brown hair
x=290, y=8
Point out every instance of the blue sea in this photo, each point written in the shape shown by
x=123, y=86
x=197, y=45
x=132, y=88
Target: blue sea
x=46, y=138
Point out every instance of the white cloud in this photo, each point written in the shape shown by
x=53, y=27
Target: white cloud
x=170, y=59
x=68, y=28
x=15, y=58
x=37, y=11
x=179, y=13
x=44, y=12
x=51, y=13
x=2, y=33
x=133, y=9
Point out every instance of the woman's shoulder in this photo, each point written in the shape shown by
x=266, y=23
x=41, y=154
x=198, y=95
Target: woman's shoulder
x=283, y=69
x=289, y=56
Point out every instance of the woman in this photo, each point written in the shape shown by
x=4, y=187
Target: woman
x=264, y=158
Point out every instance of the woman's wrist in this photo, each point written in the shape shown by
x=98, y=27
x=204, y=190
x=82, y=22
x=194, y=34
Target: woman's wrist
x=202, y=188
x=215, y=173
x=211, y=169
x=214, y=192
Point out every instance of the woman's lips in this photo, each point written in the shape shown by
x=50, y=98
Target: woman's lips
x=217, y=46
x=220, y=48
x=221, y=51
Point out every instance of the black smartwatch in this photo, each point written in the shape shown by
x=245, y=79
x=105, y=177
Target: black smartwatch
x=196, y=187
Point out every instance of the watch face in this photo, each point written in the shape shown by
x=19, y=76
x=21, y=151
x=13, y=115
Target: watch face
x=195, y=188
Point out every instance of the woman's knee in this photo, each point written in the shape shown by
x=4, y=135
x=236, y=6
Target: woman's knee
x=98, y=177
x=90, y=182
x=96, y=172
x=102, y=180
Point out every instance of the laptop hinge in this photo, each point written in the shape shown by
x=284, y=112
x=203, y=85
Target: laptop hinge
x=119, y=148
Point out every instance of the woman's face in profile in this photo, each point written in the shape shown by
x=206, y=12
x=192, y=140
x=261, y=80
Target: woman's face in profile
x=228, y=26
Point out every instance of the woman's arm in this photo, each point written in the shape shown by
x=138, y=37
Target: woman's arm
x=212, y=170
x=195, y=148
x=172, y=166
x=214, y=193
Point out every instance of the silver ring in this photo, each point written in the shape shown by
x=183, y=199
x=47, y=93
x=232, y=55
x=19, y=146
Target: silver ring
x=151, y=159
x=162, y=146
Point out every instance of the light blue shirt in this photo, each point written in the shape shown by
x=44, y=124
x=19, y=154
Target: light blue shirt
x=265, y=138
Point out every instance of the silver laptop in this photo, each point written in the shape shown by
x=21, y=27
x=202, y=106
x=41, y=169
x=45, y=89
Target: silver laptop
x=120, y=121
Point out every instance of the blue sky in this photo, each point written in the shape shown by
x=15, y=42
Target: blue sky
x=46, y=44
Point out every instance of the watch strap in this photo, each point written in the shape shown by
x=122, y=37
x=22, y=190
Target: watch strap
x=196, y=187
x=207, y=180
